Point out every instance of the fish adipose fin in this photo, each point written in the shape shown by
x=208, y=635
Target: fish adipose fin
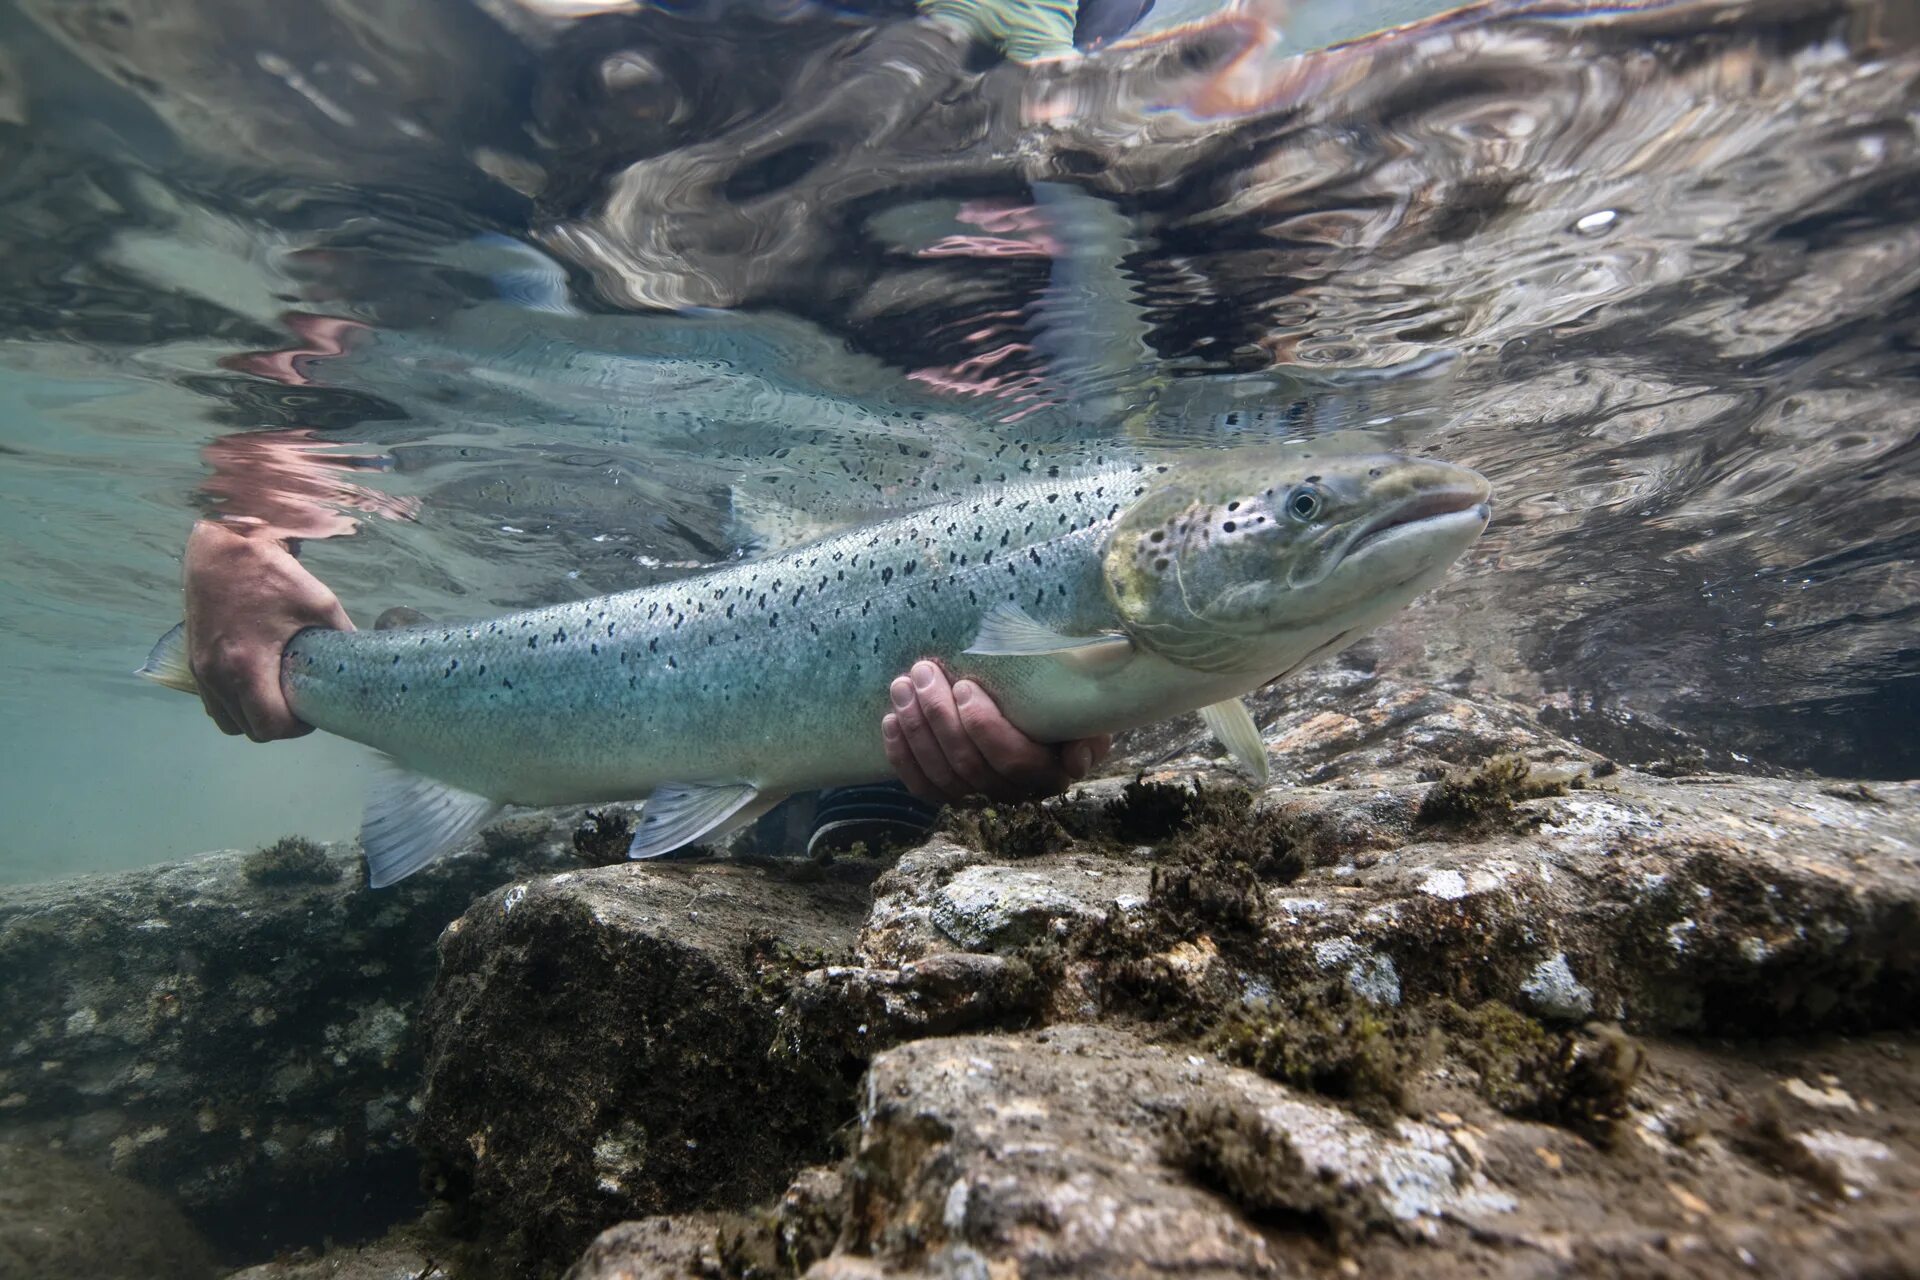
x=1008, y=631
x=679, y=813
x=167, y=664
x=1231, y=722
x=410, y=820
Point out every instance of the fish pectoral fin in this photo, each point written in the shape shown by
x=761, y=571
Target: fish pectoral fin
x=167, y=664
x=411, y=819
x=1232, y=724
x=1008, y=631
x=679, y=813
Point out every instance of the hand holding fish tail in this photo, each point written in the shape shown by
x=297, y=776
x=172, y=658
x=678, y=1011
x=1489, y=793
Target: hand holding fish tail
x=949, y=743
x=246, y=597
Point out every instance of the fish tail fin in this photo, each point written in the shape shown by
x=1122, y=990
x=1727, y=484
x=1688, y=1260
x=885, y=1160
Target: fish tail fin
x=167, y=664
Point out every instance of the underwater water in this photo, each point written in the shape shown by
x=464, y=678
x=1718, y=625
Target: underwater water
x=495, y=305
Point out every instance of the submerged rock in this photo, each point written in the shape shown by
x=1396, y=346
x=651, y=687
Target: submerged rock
x=1417, y=1006
x=602, y=1044
x=235, y=1031
x=59, y=1217
x=1284, y=1034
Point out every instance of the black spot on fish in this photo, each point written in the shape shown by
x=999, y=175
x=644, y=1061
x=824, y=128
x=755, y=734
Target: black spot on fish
x=886, y=574
x=672, y=664
x=506, y=684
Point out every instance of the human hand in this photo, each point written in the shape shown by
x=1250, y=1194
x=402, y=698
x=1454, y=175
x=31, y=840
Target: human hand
x=949, y=742
x=246, y=597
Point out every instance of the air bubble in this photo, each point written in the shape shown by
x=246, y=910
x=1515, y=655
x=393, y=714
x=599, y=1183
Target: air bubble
x=1597, y=222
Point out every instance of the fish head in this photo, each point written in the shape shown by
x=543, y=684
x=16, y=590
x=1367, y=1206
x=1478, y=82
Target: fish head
x=1262, y=560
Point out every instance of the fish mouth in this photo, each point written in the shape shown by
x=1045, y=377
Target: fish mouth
x=1446, y=503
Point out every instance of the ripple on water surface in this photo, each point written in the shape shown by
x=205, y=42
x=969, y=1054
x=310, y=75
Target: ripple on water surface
x=489, y=317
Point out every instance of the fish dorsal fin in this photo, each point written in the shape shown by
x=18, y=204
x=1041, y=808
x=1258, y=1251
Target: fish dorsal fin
x=679, y=813
x=1233, y=725
x=400, y=616
x=1008, y=631
x=167, y=664
x=1088, y=321
x=767, y=526
x=411, y=819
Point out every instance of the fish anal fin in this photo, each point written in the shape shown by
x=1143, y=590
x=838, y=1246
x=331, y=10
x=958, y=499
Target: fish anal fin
x=1007, y=630
x=679, y=813
x=411, y=819
x=1233, y=725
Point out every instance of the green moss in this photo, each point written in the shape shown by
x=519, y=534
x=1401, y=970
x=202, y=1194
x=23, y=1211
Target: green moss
x=1347, y=1050
x=1224, y=1146
x=1485, y=797
x=1581, y=1080
x=1009, y=831
x=1213, y=871
x=603, y=837
x=1685, y=761
x=1149, y=811
x=290, y=860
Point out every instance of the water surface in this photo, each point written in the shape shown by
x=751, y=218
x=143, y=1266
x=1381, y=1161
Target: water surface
x=500, y=306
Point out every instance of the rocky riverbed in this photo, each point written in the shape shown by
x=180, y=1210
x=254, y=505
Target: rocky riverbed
x=1456, y=993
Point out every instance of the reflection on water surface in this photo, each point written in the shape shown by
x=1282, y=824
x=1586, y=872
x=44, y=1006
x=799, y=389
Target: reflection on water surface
x=511, y=303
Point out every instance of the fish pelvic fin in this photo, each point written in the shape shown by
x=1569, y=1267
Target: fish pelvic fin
x=167, y=664
x=680, y=813
x=1233, y=725
x=411, y=819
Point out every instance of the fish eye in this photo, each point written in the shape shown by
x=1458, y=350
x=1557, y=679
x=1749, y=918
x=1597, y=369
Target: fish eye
x=1304, y=503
